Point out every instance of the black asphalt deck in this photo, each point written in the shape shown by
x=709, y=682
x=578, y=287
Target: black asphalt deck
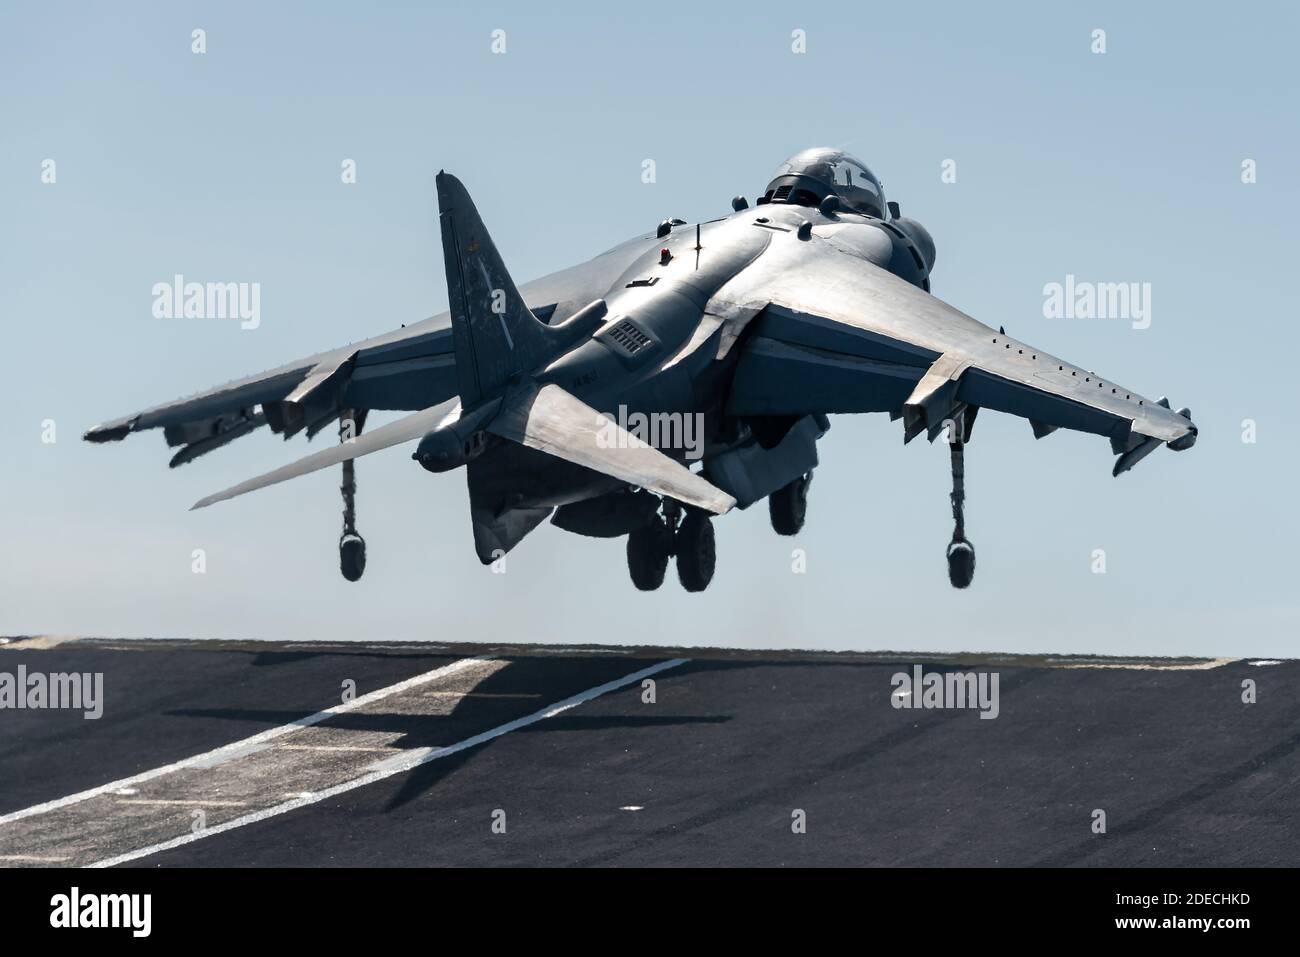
x=733, y=749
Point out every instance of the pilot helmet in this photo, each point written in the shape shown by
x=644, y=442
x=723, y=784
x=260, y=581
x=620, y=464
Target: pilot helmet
x=807, y=178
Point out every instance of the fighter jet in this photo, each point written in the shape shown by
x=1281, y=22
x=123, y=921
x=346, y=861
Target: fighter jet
x=680, y=374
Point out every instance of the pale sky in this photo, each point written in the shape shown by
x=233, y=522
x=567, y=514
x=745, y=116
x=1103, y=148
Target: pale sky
x=1123, y=166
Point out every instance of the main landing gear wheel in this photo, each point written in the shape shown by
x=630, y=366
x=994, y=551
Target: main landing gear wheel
x=788, y=506
x=696, y=556
x=648, y=549
x=961, y=553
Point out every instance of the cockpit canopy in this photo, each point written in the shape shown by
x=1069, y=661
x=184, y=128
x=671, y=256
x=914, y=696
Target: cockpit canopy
x=807, y=178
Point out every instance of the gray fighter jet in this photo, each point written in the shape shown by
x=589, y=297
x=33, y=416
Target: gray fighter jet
x=680, y=374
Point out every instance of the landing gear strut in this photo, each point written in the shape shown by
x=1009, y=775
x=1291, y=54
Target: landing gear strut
x=686, y=533
x=961, y=553
x=352, y=547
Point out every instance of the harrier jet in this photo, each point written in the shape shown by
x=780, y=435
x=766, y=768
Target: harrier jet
x=678, y=375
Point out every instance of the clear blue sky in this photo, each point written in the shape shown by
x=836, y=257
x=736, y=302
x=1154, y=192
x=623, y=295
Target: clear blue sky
x=225, y=166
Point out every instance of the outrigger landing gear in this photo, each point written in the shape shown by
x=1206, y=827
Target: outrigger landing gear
x=961, y=553
x=352, y=547
x=686, y=533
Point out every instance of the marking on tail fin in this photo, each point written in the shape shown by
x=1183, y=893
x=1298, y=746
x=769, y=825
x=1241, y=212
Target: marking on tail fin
x=501, y=317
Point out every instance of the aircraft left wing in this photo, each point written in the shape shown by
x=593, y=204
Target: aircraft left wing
x=835, y=333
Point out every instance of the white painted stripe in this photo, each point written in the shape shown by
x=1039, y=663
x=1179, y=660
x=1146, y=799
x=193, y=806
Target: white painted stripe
x=171, y=802
x=414, y=760
x=1150, y=664
x=218, y=753
x=229, y=754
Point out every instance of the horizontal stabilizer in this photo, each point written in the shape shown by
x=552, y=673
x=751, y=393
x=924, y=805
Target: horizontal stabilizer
x=551, y=420
x=406, y=429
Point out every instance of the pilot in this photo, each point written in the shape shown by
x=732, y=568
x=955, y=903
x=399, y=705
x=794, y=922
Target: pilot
x=807, y=178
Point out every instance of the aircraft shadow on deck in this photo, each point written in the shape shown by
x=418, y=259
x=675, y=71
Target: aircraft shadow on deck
x=478, y=711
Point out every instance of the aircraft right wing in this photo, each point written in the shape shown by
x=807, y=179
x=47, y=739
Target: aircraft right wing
x=410, y=368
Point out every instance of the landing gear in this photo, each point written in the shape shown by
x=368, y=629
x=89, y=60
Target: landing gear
x=685, y=533
x=961, y=553
x=696, y=556
x=352, y=556
x=788, y=506
x=352, y=547
x=648, y=549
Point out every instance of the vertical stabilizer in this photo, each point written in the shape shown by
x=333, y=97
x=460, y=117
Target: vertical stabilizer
x=496, y=335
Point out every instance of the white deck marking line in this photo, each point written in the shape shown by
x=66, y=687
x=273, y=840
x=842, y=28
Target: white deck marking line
x=1154, y=665
x=218, y=758
x=267, y=735
x=168, y=802
x=415, y=760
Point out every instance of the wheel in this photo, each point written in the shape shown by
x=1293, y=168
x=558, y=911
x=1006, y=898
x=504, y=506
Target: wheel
x=961, y=563
x=788, y=506
x=648, y=548
x=352, y=556
x=696, y=557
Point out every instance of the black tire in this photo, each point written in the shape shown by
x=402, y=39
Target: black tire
x=647, y=554
x=352, y=557
x=961, y=564
x=696, y=555
x=788, y=506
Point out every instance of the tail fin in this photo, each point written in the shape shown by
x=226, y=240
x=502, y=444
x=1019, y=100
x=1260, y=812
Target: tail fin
x=495, y=334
